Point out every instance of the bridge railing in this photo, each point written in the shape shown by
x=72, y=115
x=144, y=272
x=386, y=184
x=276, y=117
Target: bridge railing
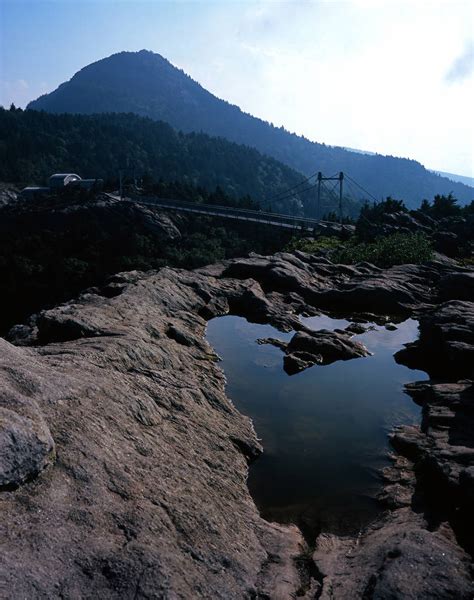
x=228, y=211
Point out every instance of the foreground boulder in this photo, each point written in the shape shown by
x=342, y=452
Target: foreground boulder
x=26, y=444
x=26, y=447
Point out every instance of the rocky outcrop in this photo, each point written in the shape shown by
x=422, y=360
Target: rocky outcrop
x=446, y=344
x=147, y=496
x=323, y=347
x=444, y=442
x=457, y=286
x=142, y=493
x=361, y=288
x=396, y=558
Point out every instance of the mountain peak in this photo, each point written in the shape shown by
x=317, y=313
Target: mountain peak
x=144, y=53
x=127, y=59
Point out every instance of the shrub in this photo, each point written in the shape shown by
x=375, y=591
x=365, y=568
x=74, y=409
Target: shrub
x=396, y=249
x=312, y=246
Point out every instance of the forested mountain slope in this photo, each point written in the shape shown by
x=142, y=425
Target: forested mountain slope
x=35, y=144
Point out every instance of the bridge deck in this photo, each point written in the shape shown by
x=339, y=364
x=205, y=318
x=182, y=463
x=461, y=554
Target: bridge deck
x=242, y=214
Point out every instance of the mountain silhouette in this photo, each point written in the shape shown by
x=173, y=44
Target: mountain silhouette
x=147, y=84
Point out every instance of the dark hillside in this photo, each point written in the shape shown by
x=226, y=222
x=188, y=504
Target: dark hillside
x=55, y=247
x=35, y=144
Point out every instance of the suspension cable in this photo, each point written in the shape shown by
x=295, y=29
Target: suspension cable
x=294, y=187
x=360, y=187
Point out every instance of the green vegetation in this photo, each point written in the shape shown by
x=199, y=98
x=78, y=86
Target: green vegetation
x=388, y=234
x=375, y=214
x=314, y=245
x=183, y=191
x=441, y=207
x=446, y=206
x=449, y=225
x=33, y=145
x=396, y=249
x=351, y=212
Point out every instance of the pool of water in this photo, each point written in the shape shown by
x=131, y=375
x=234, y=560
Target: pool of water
x=324, y=431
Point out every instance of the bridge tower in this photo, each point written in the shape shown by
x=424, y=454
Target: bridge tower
x=320, y=179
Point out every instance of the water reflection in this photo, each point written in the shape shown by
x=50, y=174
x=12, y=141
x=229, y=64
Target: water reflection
x=324, y=431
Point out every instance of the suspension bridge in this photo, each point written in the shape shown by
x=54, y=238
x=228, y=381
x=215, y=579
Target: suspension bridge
x=240, y=214
x=268, y=217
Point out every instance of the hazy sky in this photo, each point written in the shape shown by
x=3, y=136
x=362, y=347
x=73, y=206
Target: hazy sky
x=392, y=76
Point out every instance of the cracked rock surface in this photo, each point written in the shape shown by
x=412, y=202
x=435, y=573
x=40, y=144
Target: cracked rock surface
x=127, y=478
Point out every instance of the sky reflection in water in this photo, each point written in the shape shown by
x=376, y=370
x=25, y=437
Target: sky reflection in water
x=324, y=431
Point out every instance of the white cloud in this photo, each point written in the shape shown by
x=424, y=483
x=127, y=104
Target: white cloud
x=463, y=66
